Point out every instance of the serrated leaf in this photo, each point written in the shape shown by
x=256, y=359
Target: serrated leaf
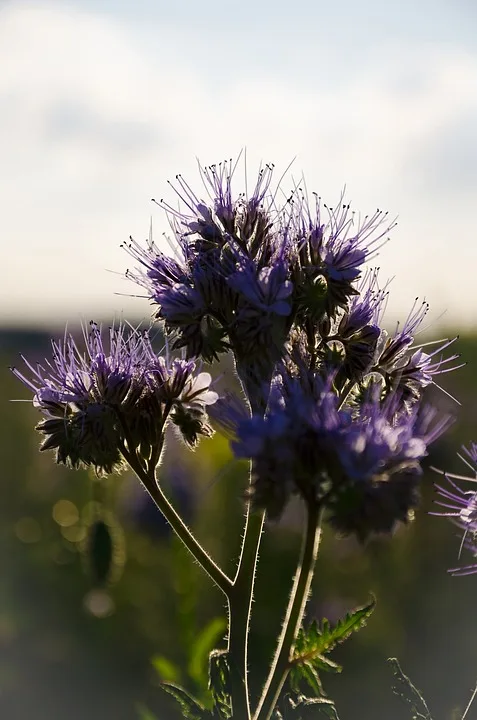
x=312, y=644
x=201, y=648
x=408, y=693
x=190, y=707
x=219, y=683
x=307, y=673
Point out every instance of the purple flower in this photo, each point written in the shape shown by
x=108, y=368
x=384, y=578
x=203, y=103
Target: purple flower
x=333, y=248
x=202, y=296
x=82, y=394
x=365, y=308
x=382, y=439
x=377, y=455
x=408, y=368
x=246, y=266
x=461, y=506
x=266, y=291
x=260, y=278
x=115, y=392
x=362, y=461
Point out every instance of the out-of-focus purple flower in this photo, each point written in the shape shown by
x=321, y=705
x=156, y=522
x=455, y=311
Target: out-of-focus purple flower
x=138, y=509
x=461, y=506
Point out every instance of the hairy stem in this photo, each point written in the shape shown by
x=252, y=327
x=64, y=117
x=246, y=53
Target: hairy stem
x=294, y=615
x=148, y=479
x=241, y=597
x=240, y=606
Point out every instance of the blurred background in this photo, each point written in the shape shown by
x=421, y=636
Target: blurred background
x=102, y=102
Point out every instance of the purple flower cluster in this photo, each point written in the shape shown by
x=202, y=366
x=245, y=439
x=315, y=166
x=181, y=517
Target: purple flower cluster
x=461, y=506
x=247, y=270
x=336, y=400
x=116, y=395
x=337, y=414
x=360, y=458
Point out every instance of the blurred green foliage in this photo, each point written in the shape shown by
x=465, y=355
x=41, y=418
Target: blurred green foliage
x=73, y=649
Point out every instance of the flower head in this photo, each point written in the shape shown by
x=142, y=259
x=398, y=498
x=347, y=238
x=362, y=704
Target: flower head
x=117, y=393
x=248, y=270
x=361, y=460
x=379, y=454
x=82, y=394
x=405, y=365
x=461, y=506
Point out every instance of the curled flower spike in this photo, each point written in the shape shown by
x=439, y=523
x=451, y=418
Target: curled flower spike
x=82, y=395
x=406, y=367
x=461, y=506
x=116, y=394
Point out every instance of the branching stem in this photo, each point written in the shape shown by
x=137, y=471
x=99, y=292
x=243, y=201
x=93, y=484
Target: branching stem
x=240, y=606
x=148, y=479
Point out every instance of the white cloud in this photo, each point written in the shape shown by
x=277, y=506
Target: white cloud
x=94, y=122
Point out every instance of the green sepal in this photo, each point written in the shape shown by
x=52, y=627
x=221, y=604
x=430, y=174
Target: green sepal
x=190, y=707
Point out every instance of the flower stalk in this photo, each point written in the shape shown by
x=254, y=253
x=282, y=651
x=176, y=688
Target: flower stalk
x=149, y=481
x=240, y=607
x=294, y=614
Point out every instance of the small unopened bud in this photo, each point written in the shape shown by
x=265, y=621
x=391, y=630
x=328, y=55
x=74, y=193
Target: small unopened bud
x=192, y=422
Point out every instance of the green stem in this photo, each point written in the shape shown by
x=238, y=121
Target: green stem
x=241, y=597
x=294, y=615
x=240, y=607
x=148, y=479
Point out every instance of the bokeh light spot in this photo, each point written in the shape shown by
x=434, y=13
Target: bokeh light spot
x=99, y=603
x=74, y=533
x=65, y=513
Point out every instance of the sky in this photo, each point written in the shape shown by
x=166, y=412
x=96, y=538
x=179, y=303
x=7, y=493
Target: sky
x=103, y=102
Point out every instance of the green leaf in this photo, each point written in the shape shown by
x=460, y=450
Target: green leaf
x=201, y=648
x=190, y=707
x=313, y=643
x=219, y=683
x=309, y=654
x=408, y=693
x=166, y=669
